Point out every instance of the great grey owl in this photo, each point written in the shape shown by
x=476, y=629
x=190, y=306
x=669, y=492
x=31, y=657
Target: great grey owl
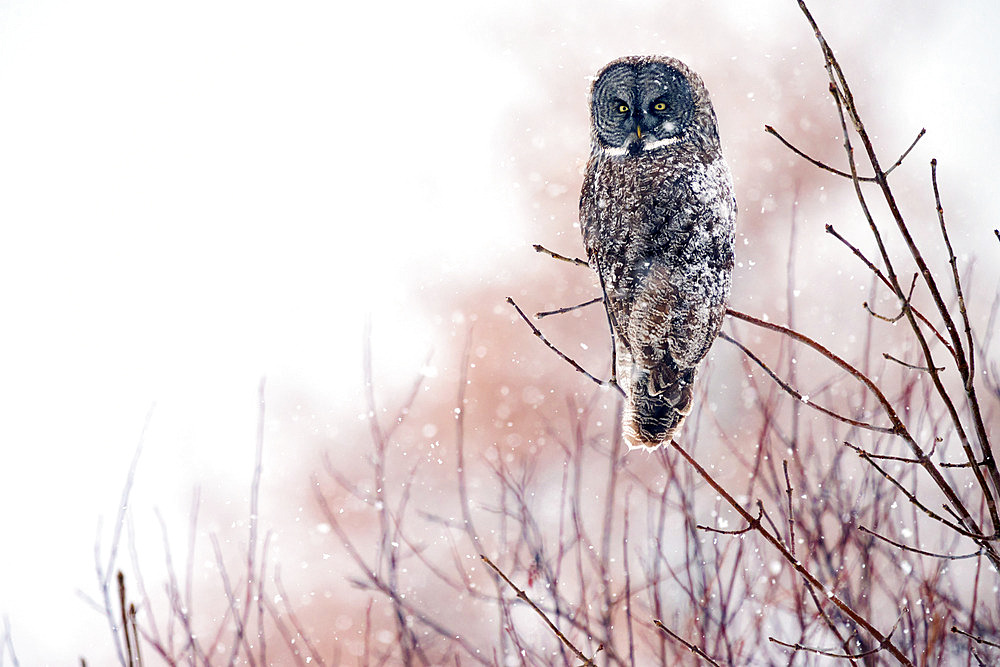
x=657, y=213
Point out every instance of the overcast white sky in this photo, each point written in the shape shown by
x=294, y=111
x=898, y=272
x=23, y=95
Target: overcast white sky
x=197, y=194
x=194, y=195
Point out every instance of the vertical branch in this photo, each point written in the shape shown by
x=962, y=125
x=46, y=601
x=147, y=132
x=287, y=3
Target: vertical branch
x=844, y=99
x=628, y=583
x=104, y=573
x=387, y=556
x=969, y=375
x=8, y=643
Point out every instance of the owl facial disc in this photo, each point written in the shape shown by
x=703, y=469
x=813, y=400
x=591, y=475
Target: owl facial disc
x=640, y=106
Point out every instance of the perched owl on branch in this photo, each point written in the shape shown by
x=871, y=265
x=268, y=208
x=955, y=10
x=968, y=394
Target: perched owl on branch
x=657, y=213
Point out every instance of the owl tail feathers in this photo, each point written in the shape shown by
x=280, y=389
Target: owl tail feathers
x=658, y=404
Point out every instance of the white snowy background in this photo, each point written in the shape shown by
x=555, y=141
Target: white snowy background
x=196, y=195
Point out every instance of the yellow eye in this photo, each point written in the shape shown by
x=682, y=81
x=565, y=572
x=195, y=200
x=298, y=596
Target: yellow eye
x=660, y=106
x=622, y=108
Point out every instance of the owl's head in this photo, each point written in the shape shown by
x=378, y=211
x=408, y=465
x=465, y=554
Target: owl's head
x=645, y=103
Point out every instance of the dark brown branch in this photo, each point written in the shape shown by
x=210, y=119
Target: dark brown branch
x=919, y=551
x=861, y=377
x=902, y=309
x=889, y=357
x=822, y=165
x=901, y=459
x=857, y=253
x=915, y=501
x=564, y=357
x=966, y=464
x=881, y=276
x=739, y=531
x=978, y=640
x=867, y=179
x=560, y=311
x=844, y=99
x=808, y=576
x=798, y=396
x=691, y=647
x=828, y=653
x=902, y=157
x=524, y=596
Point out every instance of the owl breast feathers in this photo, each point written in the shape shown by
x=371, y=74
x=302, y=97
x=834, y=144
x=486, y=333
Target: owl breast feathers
x=657, y=213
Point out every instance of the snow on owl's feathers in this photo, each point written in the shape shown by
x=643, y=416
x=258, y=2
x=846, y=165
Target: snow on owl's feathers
x=657, y=213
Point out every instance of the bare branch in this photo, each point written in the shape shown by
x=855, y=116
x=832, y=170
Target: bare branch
x=881, y=276
x=978, y=640
x=889, y=357
x=555, y=255
x=798, y=396
x=902, y=310
x=867, y=179
x=564, y=357
x=691, y=647
x=589, y=662
x=919, y=551
x=560, y=311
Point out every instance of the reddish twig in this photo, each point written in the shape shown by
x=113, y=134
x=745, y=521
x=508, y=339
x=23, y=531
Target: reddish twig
x=521, y=595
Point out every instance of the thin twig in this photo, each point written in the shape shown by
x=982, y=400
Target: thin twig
x=798, y=396
x=867, y=179
x=822, y=165
x=971, y=360
x=825, y=652
x=919, y=551
x=881, y=276
x=902, y=309
x=555, y=255
x=901, y=459
x=810, y=578
x=791, y=513
x=691, y=647
x=902, y=157
x=889, y=357
x=560, y=311
x=564, y=357
x=524, y=596
x=738, y=531
x=978, y=640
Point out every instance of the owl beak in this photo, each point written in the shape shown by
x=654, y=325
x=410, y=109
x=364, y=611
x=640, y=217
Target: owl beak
x=638, y=131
